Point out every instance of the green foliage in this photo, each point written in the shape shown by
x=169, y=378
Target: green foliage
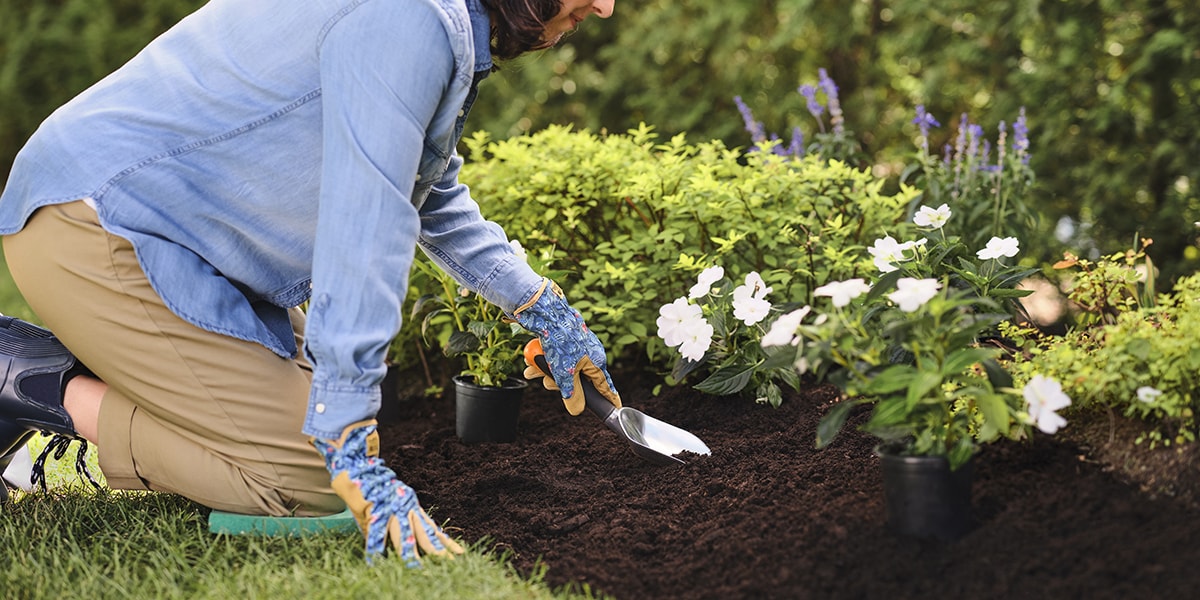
x=1140, y=359
x=1110, y=86
x=1103, y=289
x=632, y=221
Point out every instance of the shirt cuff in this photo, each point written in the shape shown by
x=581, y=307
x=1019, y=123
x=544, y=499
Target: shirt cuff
x=332, y=409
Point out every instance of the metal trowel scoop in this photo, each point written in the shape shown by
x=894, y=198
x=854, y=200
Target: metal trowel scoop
x=649, y=438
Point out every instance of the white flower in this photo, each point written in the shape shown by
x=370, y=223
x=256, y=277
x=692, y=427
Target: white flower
x=932, y=217
x=749, y=300
x=843, y=292
x=783, y=330
x=801, y=365
x=705, y=281
x=519, y=250
x=886, y=251
x=675, y=319
x=912, y=293
x=697, y=339
x=1044, y=396
x=997, y=247
x=750, y=310
x=1148, y=394
x=755, y=285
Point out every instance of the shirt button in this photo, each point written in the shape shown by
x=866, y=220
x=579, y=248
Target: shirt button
x=320, y=409
x=461, y=112
x=418, y=176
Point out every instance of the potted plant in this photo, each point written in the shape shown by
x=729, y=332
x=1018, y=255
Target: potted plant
x=488, y=390
x=915, y=349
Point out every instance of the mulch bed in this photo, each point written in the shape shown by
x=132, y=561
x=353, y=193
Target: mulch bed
x=768, y=516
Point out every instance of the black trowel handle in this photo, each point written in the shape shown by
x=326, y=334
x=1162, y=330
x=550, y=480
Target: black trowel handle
x=595, y=401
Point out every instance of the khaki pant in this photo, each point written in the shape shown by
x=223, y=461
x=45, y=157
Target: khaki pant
x=206, y=416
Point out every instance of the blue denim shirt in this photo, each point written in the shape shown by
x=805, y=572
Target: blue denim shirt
x=264, y=153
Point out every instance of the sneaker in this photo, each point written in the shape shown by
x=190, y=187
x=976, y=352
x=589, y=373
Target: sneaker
x=35, y=367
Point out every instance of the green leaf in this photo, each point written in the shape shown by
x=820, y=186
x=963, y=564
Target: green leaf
x=829, y=425
x=994, y=411
x=922, y=384
x=997, y=375
x=963, y=358
x=727, y=381
x=461, y=342
x=891, y=379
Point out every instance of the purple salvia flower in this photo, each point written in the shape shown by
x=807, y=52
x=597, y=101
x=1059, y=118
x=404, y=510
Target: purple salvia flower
x=946, y=151
x=831, y=94
x=974, y=134
x=809, y=91
x=924, y=121
x=960, y=143
x=983, y=159
x=1021, y=138
x=757, y=131
x=796, y=148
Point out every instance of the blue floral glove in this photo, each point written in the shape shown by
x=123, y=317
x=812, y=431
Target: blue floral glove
x=572, y=351
x=385, y=508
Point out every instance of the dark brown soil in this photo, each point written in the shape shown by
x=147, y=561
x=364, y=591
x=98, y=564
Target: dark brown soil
x=768, y=516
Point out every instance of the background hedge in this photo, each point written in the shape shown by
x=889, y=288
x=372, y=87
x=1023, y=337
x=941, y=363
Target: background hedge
x=1110, y=86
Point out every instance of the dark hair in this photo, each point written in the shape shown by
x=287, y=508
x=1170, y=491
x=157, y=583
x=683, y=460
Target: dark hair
x=518, y=25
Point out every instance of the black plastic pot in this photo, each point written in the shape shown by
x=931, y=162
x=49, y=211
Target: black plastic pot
x=487, y=414
x=924, y=498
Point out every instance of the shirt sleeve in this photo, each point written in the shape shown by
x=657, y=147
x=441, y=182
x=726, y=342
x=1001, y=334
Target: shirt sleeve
x=385, y=68
x=475, y=251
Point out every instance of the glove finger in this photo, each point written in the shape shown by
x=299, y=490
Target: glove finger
x=430, y=537
x=575, y=403
x=533, y=373
x=599, y=378
x=400, y=534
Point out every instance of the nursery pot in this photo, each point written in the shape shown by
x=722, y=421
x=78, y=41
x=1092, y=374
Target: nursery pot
x=924, y=498
x=487, y=414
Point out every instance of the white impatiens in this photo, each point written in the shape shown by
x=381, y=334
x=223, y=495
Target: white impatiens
x=783, y=330
x=843, y=292
x=1043, y=398
x=705, y=281
x=933, y=218
x=1148, y=394
x=886, y=251
x=749, y=300
x=697, y=340
x=912, y=294
x=675, y=320
x=997, y=247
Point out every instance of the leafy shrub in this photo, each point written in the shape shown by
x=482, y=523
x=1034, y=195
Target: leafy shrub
x=634, y=220
x=1136, y=358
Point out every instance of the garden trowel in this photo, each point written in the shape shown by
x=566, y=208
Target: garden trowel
x=658, y=442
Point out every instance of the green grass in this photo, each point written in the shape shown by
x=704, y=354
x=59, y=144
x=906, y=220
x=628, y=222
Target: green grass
x=124, y=544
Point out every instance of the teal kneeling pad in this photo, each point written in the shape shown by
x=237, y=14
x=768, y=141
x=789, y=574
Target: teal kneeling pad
x=235, y=524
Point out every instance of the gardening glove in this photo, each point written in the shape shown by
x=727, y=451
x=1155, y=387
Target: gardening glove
x=386, y=509
x=572, y=351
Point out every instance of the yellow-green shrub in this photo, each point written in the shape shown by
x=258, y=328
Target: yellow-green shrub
x=633, y=219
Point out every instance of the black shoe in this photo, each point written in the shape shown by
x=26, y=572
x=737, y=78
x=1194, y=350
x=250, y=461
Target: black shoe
x=35, y=368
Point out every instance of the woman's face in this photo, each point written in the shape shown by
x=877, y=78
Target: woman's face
x=572, y=13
